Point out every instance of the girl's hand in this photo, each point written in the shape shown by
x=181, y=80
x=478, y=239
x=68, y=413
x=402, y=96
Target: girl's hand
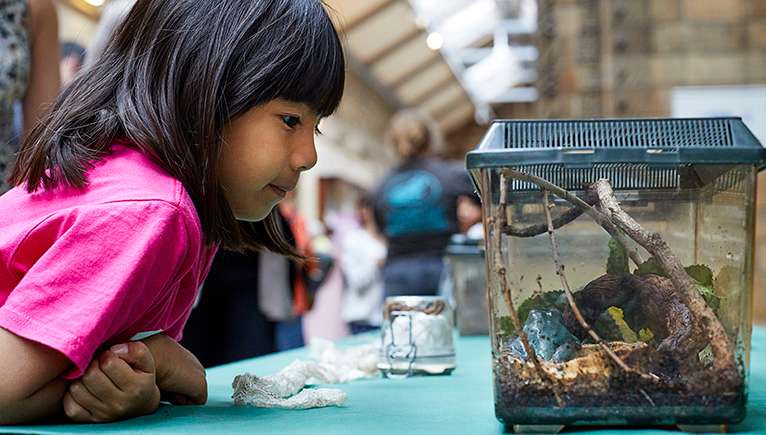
x=180, y=376
x=119, y=384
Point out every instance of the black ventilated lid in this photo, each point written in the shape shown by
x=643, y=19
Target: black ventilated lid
x=585, y=143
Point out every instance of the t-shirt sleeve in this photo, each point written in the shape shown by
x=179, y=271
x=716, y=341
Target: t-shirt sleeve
x=102, y=267
x=460, y=181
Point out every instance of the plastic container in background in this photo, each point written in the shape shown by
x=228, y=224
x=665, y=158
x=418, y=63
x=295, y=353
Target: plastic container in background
x=468, y=274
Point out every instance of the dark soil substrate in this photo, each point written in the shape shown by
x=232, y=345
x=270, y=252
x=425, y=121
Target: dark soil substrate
x=620, y=398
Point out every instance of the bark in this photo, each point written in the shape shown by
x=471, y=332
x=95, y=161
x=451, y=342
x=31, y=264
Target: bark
x=703, y=316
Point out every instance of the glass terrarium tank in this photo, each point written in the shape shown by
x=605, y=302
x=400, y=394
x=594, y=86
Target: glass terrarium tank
x=619, y=259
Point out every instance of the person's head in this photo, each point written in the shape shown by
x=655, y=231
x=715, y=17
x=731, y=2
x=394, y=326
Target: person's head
x=468, y=212
x=72, y=58
x=413, y=133
x=223, y=95
x=364, y=210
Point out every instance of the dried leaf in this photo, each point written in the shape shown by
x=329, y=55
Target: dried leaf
x=706, y=356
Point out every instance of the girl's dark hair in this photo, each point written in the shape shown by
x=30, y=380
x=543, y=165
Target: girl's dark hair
x=172, y=76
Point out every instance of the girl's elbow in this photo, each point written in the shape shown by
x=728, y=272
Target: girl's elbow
x=20, y=405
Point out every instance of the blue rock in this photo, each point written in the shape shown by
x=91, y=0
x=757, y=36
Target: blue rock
x=548, y=336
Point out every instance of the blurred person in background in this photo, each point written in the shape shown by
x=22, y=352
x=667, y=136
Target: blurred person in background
x=416, y=206
x=469, y=216
x=112, y=15
x=252, y=303
x=28, y=72
x=303, y=280
x=362, y=254
x=72, y=59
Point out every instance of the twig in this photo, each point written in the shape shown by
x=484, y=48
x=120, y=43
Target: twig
x=500, y=222
x=573, y=213
x=688, y=293
x=602, y=219
x=570, y=297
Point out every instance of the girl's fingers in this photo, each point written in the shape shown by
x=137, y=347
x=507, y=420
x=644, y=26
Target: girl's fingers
x=74, y=410
x=86, y=399
x=136, y=354
x=117, y=370
x=99, y=384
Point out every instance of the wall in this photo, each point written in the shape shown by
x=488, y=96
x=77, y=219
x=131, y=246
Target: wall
x=74, y=25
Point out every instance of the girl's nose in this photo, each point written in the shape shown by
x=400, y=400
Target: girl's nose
x=305, y=155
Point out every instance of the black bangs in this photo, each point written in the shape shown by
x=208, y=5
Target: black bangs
x=300, y=59
x=316, y=78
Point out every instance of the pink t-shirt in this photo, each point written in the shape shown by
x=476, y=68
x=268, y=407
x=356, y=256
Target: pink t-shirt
x=118, y=260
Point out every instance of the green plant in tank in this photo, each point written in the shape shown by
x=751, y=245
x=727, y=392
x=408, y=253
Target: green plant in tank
x=700, y=273
x=541, y=301
x=611, y=325
x=617, y=263
x=507, y=330
x=649, y=266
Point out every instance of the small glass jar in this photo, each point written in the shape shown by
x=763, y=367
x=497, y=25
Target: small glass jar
x=417, y=336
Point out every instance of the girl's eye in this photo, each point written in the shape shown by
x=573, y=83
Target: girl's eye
x=291, y=121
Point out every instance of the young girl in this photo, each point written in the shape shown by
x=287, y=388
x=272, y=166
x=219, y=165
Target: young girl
x=195, y=123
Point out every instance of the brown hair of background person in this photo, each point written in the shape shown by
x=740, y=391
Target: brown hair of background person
x=414, y=134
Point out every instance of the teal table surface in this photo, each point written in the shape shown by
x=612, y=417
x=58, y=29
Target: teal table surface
x=461, y=403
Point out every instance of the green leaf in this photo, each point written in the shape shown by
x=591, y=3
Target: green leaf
x=708, y=293
x=626, y=333
x=645, y=335
x=617, y=264
x=506, y=328
x=650, y=266
x=606, y=328
x=541, y=301
x=701, y=273
x=611, y=326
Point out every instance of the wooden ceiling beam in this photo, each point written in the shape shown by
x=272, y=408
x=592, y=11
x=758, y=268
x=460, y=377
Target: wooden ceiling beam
x=394, y=45
x=434, y=89
x=357, y=21
x=363, y=71
x=412, y=72
x=450, y=105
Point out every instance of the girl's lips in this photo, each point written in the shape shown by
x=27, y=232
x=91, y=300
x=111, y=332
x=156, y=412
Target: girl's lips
x=278, y=190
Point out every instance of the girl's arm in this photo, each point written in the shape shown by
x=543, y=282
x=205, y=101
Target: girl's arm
x=44, y=81
x=31, y=385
